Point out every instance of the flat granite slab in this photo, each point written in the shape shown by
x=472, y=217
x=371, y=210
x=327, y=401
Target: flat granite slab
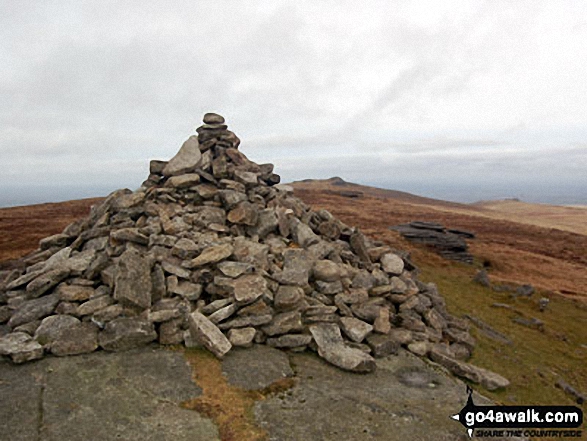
x=136, y=395
x=132, y=395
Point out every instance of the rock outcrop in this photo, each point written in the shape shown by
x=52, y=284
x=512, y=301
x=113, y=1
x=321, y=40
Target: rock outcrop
x=211, y=250
x=449, y=243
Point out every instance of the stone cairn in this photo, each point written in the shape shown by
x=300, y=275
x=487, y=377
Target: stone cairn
x=211, y=251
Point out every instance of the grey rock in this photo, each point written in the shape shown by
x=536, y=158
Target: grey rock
x=53, y=326
x=267, y=222
x=329, y=288
x=223, y=313
x=248, y=288
x=213, y=118
x=489, y=380
x=93, y=305
x=234, y=269
x=176, y=270
x=133, y=280
x=186, y=160
x=81, y=338
x=331, y=347
x=392, y=264
x=185, y=248
x=244, y=213
x=188, y=290
x=359, y=246
x=231, y=198
x=212, y=254
x=125, y=333
x=382, y=345
x=326, y=270
x=435, y=320
x=249, y=179
x=46, y=281
x=284, y=323
x=401, y=336
x=288, y=297
x=74, y=293
x=355, y=329
x=183, y=181
x=242, y=337
x=289, y=341
x=303, y=234
x=20, y=347
x=156, y=167
x=33, y=310
x=129, y=235
x=207, y=334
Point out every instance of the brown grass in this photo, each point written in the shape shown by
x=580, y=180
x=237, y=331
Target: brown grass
x=230, y=407
x=553, y=260
x=21, y=228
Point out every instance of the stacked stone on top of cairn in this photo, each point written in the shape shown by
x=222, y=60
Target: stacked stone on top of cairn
x=211, y=251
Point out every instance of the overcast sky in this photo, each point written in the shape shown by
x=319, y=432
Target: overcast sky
x=461, y=100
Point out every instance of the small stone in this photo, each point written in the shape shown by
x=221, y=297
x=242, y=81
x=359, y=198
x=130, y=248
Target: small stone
x=33, y=310
x=331, y=347
x=249, y=179
x=242, y=337
x=53, y=326
x=290, y=341
x=129, y=235
x=94, y=305
x=288, y=297
x=82, y=338
x=392, y=264
x=20, y=347
x=45, y=282
x=420, y=348
x=74, y=293
x=212, y=255
x=355, y=329
x=133, y=280
x=490, y=380
x=205, y=332
x=326, y=270
x=382, y=323
x=223, y=313
x=382, y=345
x=401, y=336
x=185, y=249
x=126, y=333
x=234, y=269
x=244, y=213
x=284, y=323
x=249, y=288
x=183, y=181
x=213, y=118
x=435, y=320
x=156, y=167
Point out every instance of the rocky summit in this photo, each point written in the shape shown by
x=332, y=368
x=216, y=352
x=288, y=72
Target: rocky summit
x=211, y=250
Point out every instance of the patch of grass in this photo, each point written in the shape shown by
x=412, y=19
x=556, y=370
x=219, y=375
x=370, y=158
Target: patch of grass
x=536, y=359
x=230, y=407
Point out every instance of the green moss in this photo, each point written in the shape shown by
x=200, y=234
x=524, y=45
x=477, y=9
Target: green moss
x=536, y=359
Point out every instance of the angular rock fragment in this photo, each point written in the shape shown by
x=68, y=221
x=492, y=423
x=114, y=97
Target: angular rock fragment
x=331, y=347
x=208, y=335
x=126, y=333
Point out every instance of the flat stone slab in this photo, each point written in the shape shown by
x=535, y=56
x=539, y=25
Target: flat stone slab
x=133, y=395
x=404, y=399
x=257, y=367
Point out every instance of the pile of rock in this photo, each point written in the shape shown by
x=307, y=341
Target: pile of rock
x=211, y=251
x=449, y=243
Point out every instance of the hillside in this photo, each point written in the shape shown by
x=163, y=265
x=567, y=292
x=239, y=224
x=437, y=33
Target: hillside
x=553, y=260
